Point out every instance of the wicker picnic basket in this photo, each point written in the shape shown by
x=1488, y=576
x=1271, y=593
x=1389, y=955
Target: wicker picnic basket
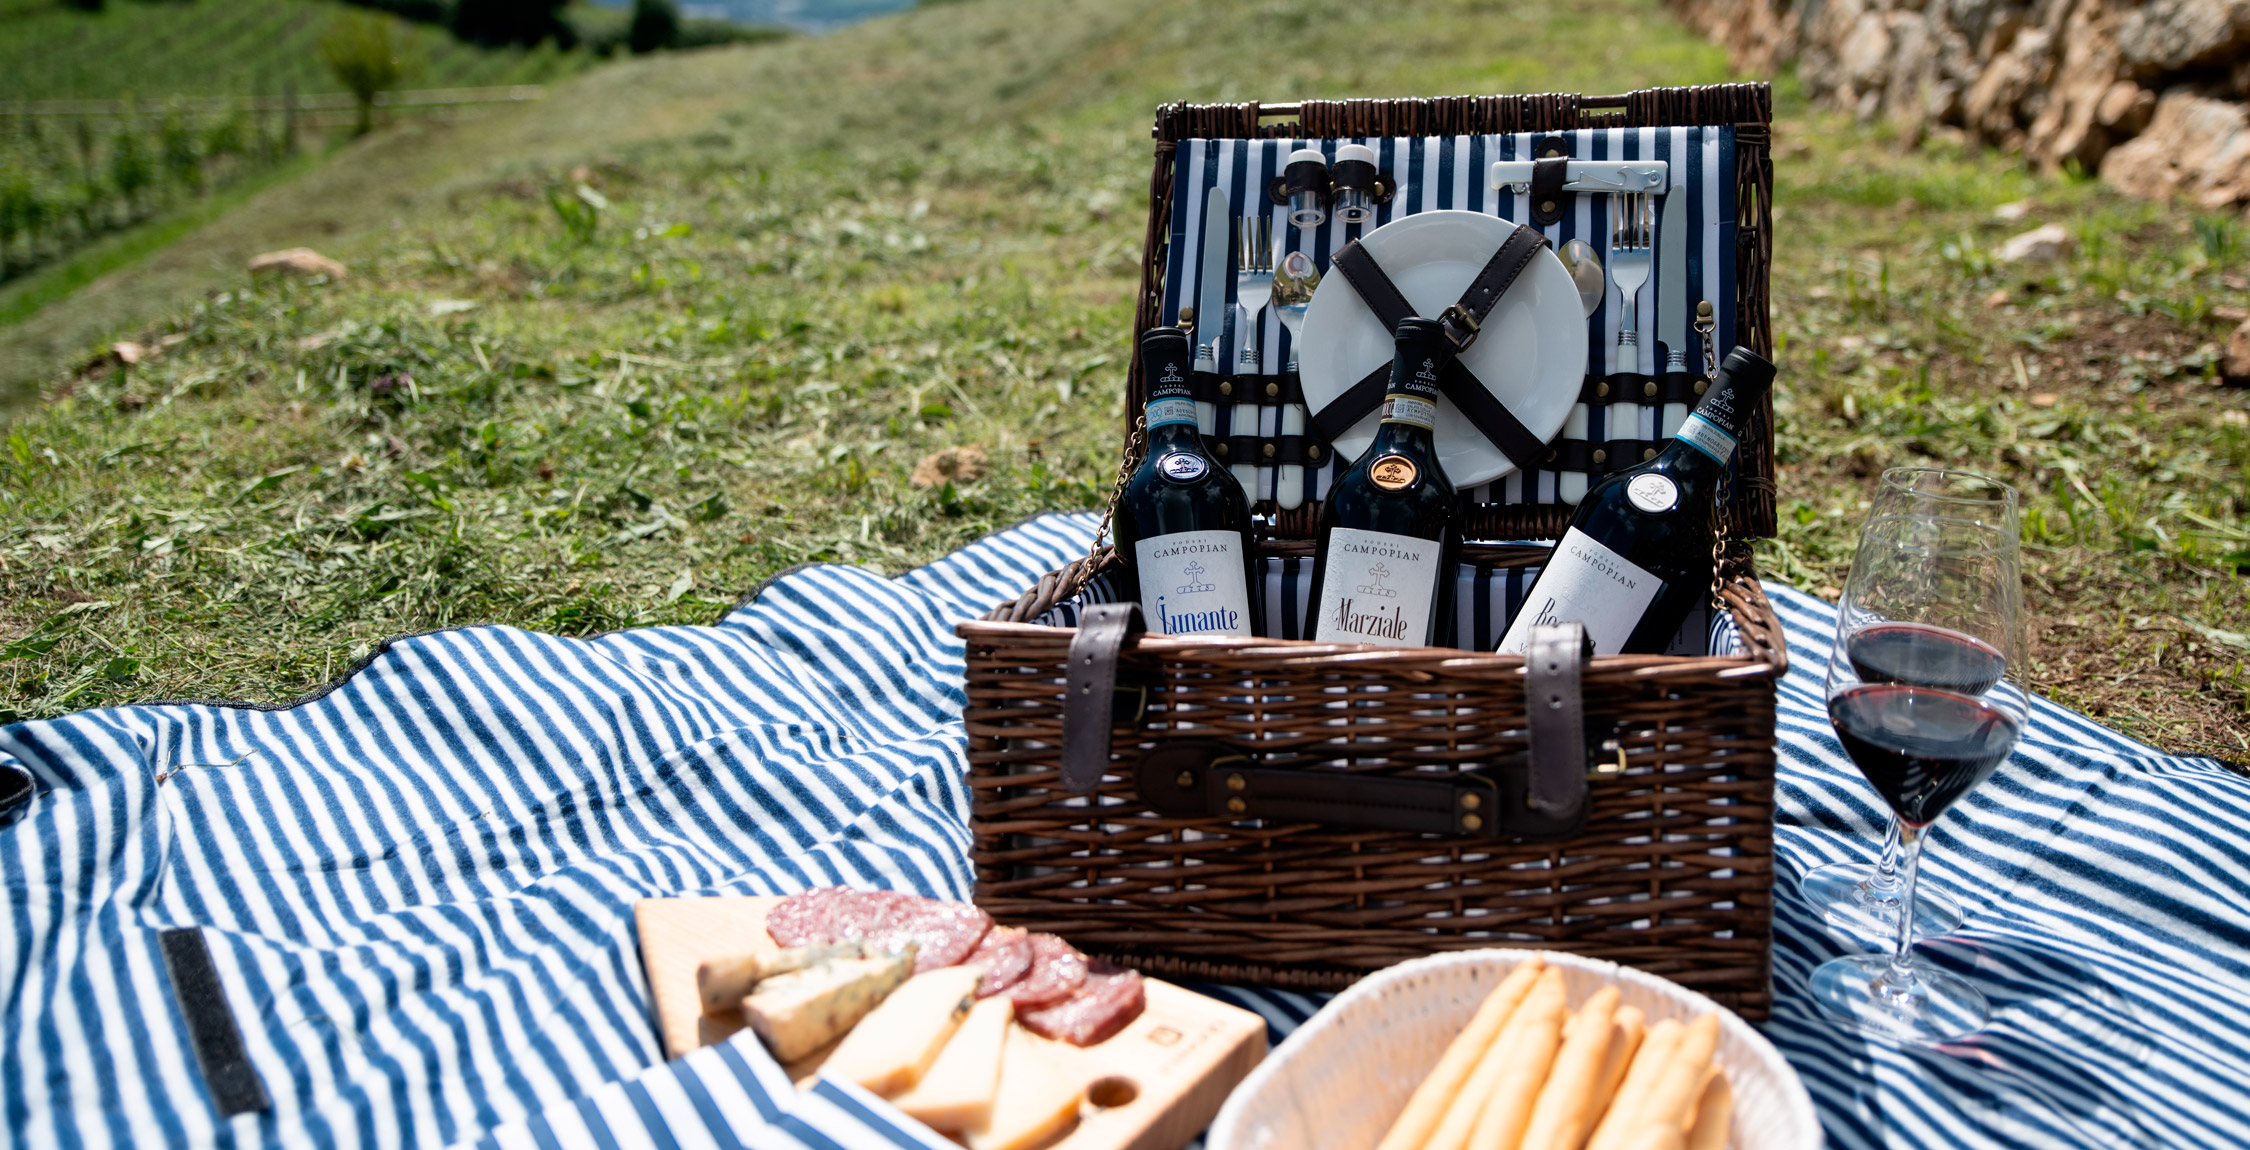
x=1668, y=865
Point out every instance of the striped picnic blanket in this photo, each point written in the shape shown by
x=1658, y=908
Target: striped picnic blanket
x=416, y=890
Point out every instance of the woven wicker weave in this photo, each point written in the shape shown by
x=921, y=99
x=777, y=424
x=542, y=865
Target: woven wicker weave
x=1673, y=871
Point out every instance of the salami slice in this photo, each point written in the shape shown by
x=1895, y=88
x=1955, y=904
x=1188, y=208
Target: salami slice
x=1111, y=997
x=1005, y=955
x=1057, y=971
x=807, y=918
x=944, y=933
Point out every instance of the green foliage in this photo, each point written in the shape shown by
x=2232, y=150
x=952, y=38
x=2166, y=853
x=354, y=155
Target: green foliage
x=498, y=23
x=655, y=25
x=367, y=56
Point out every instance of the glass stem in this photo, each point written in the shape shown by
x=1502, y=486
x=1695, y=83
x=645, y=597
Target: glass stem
x=1884, y=883
x=1900, y=976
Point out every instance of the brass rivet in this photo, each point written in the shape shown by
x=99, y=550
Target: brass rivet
x=1648, y=453
x=1187, y=314
x=1547, y=207
x=1600, y=456
x=1267, y=451
x=1226, y=387
x=1237, y=782
x=1703, y=307
x=1236, y=806
x=1471, y=801
x=1471, y=822
x=1601, y=390
x=1312, y=451
x=1649, y=388
x=1221, y=448
x=1186, y=779
x=1273, y=389
x=1702, y=385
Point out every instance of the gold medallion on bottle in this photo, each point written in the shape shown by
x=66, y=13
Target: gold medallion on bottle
x=1393, y=473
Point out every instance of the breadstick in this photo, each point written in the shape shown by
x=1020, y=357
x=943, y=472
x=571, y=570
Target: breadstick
x=1528, y=1045
x=1714, y=1113
x=1662, y=1136
x=1618, y=1126
x=1427, y=1107
x=1625, y=1038
x=1560, y=1121
x=1462, y=1112
x=1672, y=1099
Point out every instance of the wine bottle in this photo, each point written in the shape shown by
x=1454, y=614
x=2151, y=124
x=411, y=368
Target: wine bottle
x=1636, y=557
x=1182, y=523
x=1390, y=532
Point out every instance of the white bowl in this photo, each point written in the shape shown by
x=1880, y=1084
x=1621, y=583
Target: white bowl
x=1342, y=1078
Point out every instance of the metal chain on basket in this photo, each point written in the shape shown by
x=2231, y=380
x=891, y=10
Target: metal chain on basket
x=1705, y=325
x=1134, y=445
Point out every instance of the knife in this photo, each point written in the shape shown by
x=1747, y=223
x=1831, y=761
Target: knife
x=1671, y=295
x=1210, y=315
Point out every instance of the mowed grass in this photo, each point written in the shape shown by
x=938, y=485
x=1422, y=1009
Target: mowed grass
x=923, y=233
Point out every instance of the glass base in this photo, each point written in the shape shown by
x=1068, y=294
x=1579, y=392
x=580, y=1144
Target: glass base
x=1845, y=897
x=1932, y=1007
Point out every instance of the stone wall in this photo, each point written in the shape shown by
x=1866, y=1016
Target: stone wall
x=2149, y=94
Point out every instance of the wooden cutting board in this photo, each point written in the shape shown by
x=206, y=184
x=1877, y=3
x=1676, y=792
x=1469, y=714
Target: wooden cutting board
x=1152, y=1086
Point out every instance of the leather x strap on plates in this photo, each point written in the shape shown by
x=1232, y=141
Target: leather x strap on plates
x=1462, y=321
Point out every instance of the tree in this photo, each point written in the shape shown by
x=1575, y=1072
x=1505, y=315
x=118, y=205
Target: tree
x=656, y=24
x=497, y=22
x=364, y=51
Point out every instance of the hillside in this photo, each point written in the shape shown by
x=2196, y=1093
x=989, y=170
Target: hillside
x=821, y=260
x=222, y=48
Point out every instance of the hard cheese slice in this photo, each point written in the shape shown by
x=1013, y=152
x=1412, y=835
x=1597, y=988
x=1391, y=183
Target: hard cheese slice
x=799, y=1012
x=891, y=1048
x=957, y=1092
x=1035, y=1102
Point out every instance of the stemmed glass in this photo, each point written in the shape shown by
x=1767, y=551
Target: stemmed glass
x=1925, y=691
x=1864, y=898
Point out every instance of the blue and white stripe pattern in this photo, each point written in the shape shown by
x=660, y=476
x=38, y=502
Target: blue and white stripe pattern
x=1452, y=173
x=418, y=889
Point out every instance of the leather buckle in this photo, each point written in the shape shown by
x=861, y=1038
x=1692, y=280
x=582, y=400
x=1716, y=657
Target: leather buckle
x=1454, y=319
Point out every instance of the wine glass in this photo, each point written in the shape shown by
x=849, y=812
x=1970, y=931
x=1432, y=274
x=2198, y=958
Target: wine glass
x=1862, y=898
x=1925, y=691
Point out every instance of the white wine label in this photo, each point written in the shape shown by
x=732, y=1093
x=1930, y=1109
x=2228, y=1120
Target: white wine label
x=1408, y=409
x=1707, y=437
x=1376, y=588
x=1653, y=493
x=1589, y=583
x=1164, y=411
x=1183, y=466
x=1192, y=583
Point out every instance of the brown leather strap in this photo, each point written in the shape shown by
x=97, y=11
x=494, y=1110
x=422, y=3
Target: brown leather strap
x=1090, y=691
x=1489, y=416
x=1552, y=666
x=1204, y=779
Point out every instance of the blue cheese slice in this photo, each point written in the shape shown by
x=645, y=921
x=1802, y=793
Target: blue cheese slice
x=799, y=1012
x=957, y=1091
x=891, y=1048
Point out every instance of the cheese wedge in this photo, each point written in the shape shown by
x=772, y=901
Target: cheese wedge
x=801, y=1011
x=1035, y=1103
x=957, y=1091
x=890, y=1048
x=724, y=982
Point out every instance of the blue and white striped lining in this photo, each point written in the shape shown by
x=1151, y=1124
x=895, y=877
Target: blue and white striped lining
x=418, y=889
x=1451, y=173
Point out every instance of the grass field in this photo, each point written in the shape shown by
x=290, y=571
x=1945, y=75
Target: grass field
x=222, y=48
x=825, y=258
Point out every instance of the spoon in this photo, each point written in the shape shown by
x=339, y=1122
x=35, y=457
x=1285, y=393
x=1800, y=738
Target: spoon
x=1295, y=275
x=1585, y=268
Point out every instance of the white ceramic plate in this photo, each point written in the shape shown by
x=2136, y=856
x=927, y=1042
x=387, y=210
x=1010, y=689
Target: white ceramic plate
x=1531, y=353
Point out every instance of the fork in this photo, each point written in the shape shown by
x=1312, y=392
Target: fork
x=1632, y=249
x=1253, y=289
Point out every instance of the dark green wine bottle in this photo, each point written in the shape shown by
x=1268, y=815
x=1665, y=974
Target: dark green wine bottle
x=1636, y=557
x=1390, y=532
x=1183, y=524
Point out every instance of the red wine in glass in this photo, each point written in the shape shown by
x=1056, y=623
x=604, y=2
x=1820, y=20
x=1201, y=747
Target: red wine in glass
x=1919, y=747
x=1919, y=655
